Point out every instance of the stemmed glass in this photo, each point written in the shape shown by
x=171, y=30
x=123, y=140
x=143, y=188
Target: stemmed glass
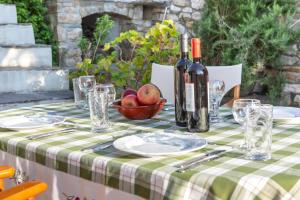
x=109, y=89
x=216, y=92
x=86, y=83
x=239, y=111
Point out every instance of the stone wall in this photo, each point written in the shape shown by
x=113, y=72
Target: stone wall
x=66, y=18
x=291, y=60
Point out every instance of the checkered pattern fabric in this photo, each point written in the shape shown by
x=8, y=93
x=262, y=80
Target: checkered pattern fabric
x=229, y=177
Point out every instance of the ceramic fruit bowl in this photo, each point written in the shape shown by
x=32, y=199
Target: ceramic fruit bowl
x=140, y=112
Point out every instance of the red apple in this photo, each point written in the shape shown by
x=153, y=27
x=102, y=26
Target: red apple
x=128, y=92
x=130, y=101
x=148, y=94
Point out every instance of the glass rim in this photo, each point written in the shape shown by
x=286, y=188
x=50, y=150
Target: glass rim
x=105, y=85
x=246, y=100
x=98, y=91
x=89, y=76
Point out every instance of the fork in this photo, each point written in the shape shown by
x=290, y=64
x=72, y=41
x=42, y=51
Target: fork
x=42, y=135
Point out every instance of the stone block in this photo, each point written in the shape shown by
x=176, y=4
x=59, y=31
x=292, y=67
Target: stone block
x=26, y=56
x=8, y=14
x=112, y=8
x=292, y=88
x=185, y=16
x=197, y=4
x=286, y=99
x=291, y=69
x=297, y=100
x=16, y=34
x=136, y=13
x=182, y=3
x=69, y=18
x=33, y=80
x=180, y=27
x=196, y=15
x=292, y=77
x=175, y=9
x=67, y=33
x=289, y=60
x=172, y=17
x=187, y=10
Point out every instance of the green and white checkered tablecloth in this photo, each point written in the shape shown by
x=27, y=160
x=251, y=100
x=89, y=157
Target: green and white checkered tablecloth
x=229, y=177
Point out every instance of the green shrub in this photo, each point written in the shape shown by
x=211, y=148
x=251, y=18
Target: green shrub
x=35, y=12
x=252, y=32
x=159, y=45
x=91, y=50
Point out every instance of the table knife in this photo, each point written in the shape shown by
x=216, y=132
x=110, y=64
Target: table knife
x=32, y=137
x=101, y=146
x=184, y=166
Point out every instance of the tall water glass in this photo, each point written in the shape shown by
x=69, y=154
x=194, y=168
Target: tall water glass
x=79, y=96
x=239, y=111
x=98, y=104
x=110, y=89
x=86, y=83
x=216, y=92
x=259, y=128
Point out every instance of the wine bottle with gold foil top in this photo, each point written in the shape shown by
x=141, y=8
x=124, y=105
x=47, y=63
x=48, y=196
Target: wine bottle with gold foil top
x=196, y=87
x=179, y=81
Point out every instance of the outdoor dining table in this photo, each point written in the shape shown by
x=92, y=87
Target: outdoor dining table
x=228, y=177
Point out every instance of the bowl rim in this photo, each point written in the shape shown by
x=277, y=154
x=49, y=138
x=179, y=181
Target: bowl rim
x=117, y=104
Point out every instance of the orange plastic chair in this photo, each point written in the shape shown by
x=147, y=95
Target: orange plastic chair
x=24, y=191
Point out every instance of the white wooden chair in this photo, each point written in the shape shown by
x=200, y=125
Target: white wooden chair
x=232, y=77
x=163, y=77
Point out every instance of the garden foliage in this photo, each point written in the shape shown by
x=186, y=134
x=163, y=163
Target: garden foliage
x=252, y=32
x=126, y=61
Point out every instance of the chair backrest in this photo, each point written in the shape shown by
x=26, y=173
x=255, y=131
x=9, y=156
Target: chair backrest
x=163, y=77
x=231, y=75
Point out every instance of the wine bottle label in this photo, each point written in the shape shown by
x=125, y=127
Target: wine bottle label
x=190, y=97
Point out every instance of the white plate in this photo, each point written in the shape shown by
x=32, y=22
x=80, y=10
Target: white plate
x=159, y=144
x=29, y=122
x=286, y=113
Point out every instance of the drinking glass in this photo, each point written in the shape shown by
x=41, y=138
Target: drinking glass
x=98, y=103
x=239, y=111
x=259, y=127
x=216, y=92
x=86, y=83
x=110, y=89
x=79, y=96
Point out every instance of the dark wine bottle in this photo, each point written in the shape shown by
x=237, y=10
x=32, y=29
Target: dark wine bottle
x=179, y=82
x=196, y=87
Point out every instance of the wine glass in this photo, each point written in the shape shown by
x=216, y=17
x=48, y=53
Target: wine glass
x=86, y=83
x=109, y=89
x=216, y=92
x=239, y=111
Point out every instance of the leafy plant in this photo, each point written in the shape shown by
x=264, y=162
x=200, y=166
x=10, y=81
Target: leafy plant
x=160, y=45
x=91, y=49
x=252, y=32
x=35, y=12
